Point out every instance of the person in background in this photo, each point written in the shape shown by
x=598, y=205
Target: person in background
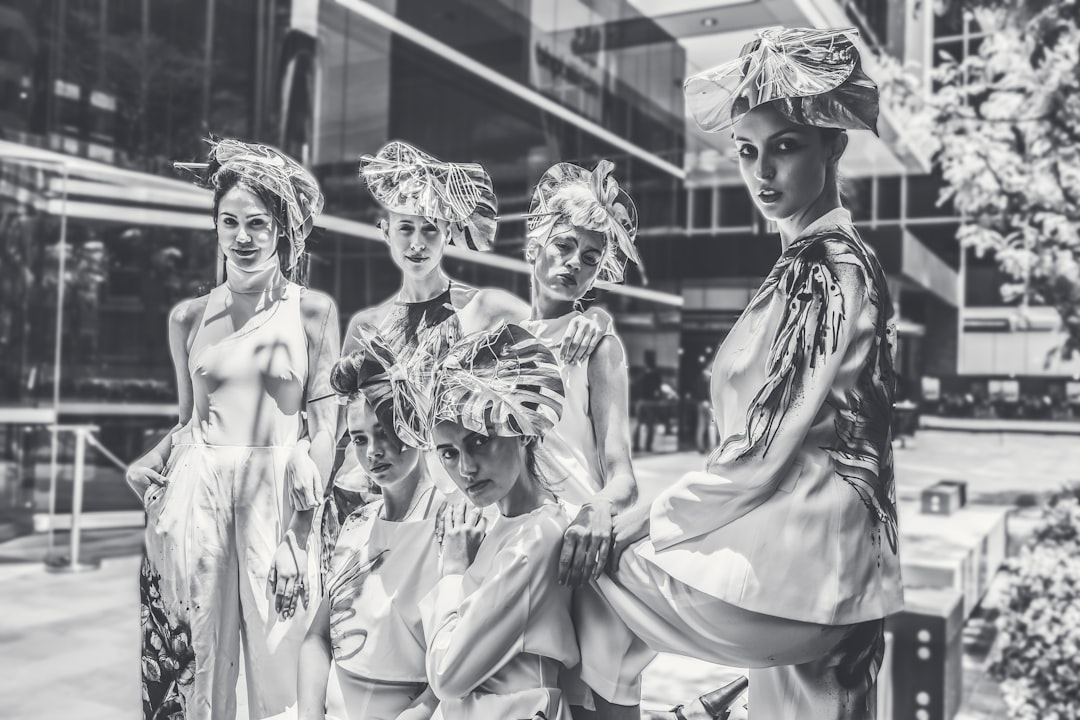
x=649, y=396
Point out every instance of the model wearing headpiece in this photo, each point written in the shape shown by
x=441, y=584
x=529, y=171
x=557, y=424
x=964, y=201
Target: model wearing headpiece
x=250, y=357
x=782, y=555
x=498, y=624
x=581, y=230
x=429, y=204
x=384, y=558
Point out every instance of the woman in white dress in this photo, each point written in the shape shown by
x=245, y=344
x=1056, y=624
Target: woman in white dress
x=581, y=228
x=228, y=511
x=782, y=556
x=498, y=625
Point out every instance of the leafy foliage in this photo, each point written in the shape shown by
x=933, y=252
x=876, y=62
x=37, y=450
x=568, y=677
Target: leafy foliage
x=1036, y=654
x=1007, y=139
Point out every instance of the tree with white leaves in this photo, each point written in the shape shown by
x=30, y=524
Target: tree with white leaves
x=1007, y=134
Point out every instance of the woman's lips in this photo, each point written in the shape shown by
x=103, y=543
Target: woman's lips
x=567, y=279
x=769, y=196
x=416, y=258
x=479, y=487
x=380, y=468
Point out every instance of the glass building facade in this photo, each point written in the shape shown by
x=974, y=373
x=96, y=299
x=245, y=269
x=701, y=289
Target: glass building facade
x=135, y=85
x=99, y=97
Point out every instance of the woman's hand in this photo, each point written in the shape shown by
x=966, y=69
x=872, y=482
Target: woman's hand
x=586, y=544
x=583, y=334
x=302, y=477
x=142, y=474
x=454, y=503
x=465, y=530
x=630, y=526
x=287, y=577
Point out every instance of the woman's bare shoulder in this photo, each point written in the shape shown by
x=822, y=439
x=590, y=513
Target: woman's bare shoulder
x=372, y=315
x=186, y=313
x=315, y=301
x=499, y=304
x=462, y=295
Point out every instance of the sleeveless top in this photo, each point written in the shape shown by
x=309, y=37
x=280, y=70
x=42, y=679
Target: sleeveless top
x=248, y=382
x=568, y=455
x=408, y=325
x=379, y=572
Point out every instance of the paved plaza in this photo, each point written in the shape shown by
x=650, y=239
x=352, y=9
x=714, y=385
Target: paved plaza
x=70, y=641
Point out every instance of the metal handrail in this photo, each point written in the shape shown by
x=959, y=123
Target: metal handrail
x=73, y=563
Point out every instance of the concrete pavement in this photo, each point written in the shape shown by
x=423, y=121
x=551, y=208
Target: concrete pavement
x=70, y=643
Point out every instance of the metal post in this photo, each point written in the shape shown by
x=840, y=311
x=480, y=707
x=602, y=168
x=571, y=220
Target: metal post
x=208, y=63
x=77, y=495
x=73, y=563
x=58, y=356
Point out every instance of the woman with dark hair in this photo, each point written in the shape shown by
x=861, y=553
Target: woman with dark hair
x=497, y=625
x=782, y=555
x=227, y=519
x=385, y=558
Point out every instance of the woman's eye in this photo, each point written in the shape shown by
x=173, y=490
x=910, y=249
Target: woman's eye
x=787, y=145
x=591, y=258
x=228, y=222
x=359, y=440
x=448, y=454
x=257, y=223
x=478, y=441
x=746, y=151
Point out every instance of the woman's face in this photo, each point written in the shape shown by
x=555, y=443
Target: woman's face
x=486, y=468
x=384, y=458
x=416, y=244
x=783, y=164
x=247, y=233
x=566, y=267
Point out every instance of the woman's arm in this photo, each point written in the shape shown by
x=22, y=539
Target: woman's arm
x=588, y=540
x=289, y=566
x=314, y=666
x=182, y=319
x=609, y=405
x=422, y=708
x=470, y=638
x=324, y=337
